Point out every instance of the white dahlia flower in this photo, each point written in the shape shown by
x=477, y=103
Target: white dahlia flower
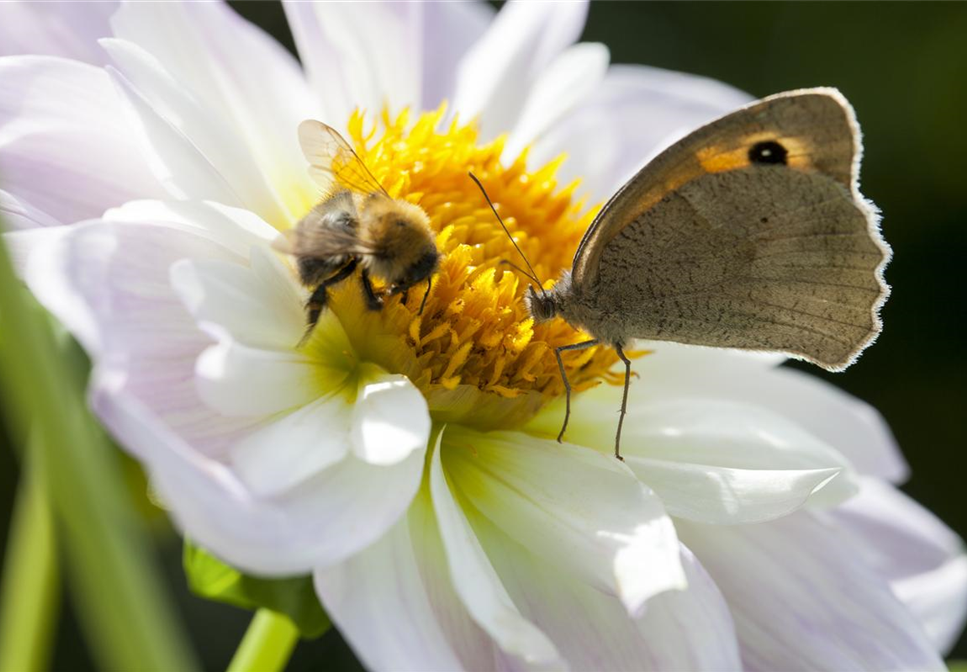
x=407, y=461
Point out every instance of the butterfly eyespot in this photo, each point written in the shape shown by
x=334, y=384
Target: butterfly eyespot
x=768, y=151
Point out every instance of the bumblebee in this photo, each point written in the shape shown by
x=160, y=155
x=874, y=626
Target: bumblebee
x=356, y=225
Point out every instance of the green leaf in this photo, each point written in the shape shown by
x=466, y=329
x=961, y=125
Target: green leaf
x=295, y=597
x=957, y=665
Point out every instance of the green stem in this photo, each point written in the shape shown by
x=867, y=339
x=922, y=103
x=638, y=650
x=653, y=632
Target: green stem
x=124, y=607
x=30, y=592
x=267, y=645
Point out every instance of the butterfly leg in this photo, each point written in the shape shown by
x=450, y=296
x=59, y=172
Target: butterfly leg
x=373, y=302
x=624, y=400
x=567, y=383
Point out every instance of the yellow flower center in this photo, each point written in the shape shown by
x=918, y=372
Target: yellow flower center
x=475, y=352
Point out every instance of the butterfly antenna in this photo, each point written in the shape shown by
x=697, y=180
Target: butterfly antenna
x=533, y=274
x=517, y=268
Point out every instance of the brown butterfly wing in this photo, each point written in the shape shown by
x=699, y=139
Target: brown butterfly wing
x=712, y=245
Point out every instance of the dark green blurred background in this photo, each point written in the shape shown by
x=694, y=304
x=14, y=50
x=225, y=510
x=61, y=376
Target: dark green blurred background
x=904, y=68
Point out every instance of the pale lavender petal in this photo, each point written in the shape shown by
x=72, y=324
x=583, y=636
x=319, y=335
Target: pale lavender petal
x=804, y=597
x=331, y=517
x=923, y=559
x=630, y=116
x=495, y=76
x=70, y=161
x=17, y=214
x=108, y=282
x=64, y=28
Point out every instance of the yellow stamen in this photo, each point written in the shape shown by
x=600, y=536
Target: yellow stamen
x=474, y=352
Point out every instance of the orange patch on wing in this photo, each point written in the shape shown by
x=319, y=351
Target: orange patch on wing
x=718, y=159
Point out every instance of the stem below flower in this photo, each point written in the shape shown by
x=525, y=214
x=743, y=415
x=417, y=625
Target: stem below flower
x=31, y=581
x=267, y=645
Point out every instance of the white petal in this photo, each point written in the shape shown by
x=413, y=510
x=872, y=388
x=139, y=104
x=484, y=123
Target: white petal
x=804, y=598
x=21, y=243
x=219, y=143
x=70, y=161
x=679, y=630
x=723, y=496
x=710, y=447
x=390, y=419
x=449, y=29
x=365, y=60
x=923, y=559
x=108, y=283
x=257, y=305
x=846, y=423
x=395, y=605
x=571, y=506
x=177, y=163
x=67, y=29
x=851, y=426
x=237, y=72
x=632, y=114
x=327, y=519
x=567, y=81
x=497, y=73
x=236, y=380
x=17, y=214
x=478, y=585
x=235, y=229
x=293, y=449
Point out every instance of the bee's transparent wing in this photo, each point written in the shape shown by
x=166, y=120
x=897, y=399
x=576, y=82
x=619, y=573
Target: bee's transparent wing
x=334, y=165
x=310, y=240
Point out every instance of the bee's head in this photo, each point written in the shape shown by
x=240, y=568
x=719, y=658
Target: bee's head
x=422, y=268
x=400, y=243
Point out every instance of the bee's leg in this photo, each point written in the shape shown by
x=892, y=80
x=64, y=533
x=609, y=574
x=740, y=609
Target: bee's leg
x=624, y=400
x=405, y=293
x=425, y=295
x=373, y=302
x=567, y=383
x=316, y=304
x=317, y=301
